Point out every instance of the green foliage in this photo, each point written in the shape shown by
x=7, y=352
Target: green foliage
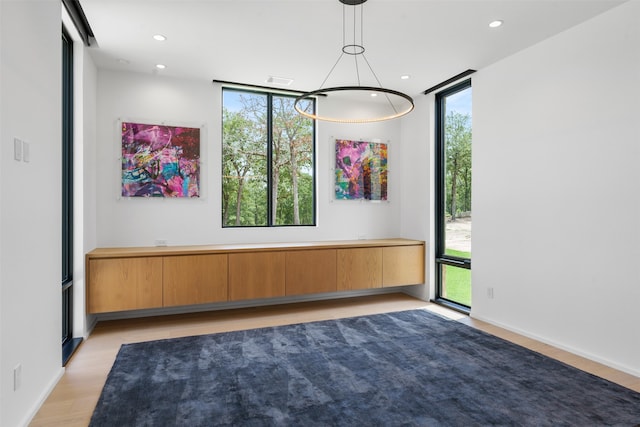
x=243, y=169
x=457, y=281
x=457, y=163
x=457, y=285
x=245, y=157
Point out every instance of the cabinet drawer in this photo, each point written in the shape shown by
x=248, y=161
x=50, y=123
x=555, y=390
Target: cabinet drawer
x=403, y=265
x=359, y=268
x=124, y=284
x=256, y=275
x=194, y=279
x=311, y=272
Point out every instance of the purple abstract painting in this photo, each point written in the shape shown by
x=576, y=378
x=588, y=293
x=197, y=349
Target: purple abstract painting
x=361, y=170
x=160, y=161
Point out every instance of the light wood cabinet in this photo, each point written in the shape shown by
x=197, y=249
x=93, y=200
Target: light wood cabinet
x=311, y=272
x=194, y=279
x=359, y=268
x=124, y=284
x=121, y=279
x=402, y=265
x=256, y=275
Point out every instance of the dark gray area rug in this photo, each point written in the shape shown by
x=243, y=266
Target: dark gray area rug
x=407, y=368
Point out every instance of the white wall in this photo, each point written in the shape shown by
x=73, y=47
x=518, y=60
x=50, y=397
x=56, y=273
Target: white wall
x=84, y=215
x=30, y=267
x=139, y=222
x=3, y=375
x=556, y=196
x=417, y=176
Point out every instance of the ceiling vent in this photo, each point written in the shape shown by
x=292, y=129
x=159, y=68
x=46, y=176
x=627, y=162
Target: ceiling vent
x=280, y=81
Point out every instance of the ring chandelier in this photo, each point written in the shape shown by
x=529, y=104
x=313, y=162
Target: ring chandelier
x=356, y=50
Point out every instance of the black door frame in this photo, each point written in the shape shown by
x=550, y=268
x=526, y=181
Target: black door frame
x=69, y=344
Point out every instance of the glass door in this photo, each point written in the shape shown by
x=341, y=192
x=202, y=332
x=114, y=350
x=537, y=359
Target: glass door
x=453, y=196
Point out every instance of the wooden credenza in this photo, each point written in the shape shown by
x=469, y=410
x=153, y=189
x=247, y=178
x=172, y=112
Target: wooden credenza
x=120, y=279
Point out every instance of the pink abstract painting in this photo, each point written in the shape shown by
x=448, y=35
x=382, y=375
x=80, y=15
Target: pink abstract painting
x=361, y=170
x=160, y=161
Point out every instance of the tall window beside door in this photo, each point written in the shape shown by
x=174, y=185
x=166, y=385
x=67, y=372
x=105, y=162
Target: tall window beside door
x=453, y=195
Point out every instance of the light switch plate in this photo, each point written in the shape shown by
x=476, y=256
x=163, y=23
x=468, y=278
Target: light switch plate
x=26, y=156
x=17, y=377
x=17, y=149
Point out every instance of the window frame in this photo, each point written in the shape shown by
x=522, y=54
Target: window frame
x=442, y=259
x=270, y=94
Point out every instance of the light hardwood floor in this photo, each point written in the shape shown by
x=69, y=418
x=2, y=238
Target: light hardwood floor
x=72, y=401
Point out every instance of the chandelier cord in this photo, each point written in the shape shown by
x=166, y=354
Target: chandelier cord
x=331, y=71
x=361, y=26
x=379, y=84
x=344, y=27
x=355, y=49
x=355, y=58
x=355, y=25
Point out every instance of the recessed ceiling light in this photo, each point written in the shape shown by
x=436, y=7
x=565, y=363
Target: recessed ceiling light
x=405, y=77
x=159, y=37
x=161, y=66
x=374, y=95
x=495, y=24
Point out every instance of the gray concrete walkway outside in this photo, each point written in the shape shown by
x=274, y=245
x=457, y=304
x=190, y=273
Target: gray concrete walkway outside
x=458, y=234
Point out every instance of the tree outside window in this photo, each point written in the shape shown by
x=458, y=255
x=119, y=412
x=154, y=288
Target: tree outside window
x=458, y=163
x=268, y=161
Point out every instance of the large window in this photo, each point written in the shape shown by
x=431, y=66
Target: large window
x=268, y=160
x=453, y=195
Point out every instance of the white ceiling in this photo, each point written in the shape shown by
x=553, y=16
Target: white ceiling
x=247, y=41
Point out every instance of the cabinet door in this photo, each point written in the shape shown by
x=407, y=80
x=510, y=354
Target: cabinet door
x=194, y=279
x=311, y=272
x=256, y=275
x=124, y=284
x=403, y=265
x=359, y=268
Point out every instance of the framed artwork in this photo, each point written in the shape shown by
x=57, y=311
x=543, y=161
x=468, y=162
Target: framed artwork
x=361, y=170
x=160, y=160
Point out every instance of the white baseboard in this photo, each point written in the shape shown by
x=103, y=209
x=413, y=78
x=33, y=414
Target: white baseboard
x=91, y=322
x=576, y=351
x=43, y=396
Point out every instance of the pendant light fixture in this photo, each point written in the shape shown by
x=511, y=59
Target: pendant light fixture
x=397, y=103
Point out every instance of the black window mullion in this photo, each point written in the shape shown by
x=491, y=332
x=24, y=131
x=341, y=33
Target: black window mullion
x=439, y=193
x=315, y=175
x=270, y=213
x=440, y=178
